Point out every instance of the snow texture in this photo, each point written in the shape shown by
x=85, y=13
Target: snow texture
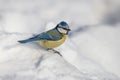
x=31, y=62
x=91, y=51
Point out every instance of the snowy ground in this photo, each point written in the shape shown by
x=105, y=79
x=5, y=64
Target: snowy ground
x=90, y=53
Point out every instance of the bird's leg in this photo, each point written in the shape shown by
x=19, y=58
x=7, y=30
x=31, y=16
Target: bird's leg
x=55, y=51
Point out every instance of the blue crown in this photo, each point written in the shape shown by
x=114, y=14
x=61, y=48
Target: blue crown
x=63, y=24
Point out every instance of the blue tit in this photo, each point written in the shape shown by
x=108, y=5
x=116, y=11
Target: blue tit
x=52, y=38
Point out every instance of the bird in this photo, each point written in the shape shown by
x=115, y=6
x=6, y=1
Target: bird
x=52, y=38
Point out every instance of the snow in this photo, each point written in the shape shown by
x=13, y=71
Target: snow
x=91, y=51
x=32, y=62
x=104, y=49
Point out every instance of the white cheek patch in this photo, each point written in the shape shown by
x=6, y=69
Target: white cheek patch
x=61, y=30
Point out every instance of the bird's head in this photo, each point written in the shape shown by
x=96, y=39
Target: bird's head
x=63, y=27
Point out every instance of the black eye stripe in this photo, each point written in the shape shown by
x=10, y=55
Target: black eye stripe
x=64, y=28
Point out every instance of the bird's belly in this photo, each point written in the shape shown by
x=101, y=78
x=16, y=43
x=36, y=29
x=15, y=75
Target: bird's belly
x=52, y=44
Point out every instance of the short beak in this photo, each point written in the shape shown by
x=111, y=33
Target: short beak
x=69, y=29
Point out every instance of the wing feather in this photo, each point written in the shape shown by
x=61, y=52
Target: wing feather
x=53, y=35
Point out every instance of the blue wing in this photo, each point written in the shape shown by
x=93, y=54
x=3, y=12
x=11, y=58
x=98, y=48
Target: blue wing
x=42, y=36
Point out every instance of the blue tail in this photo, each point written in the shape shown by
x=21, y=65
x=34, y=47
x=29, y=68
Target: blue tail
x=26, y=41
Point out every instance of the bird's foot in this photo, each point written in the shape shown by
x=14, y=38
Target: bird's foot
x=55, y=51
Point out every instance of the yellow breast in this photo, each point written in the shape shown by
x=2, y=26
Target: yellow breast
x=52, y=44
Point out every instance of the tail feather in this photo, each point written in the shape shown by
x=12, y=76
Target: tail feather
x=26, y=41
x=22, y=41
